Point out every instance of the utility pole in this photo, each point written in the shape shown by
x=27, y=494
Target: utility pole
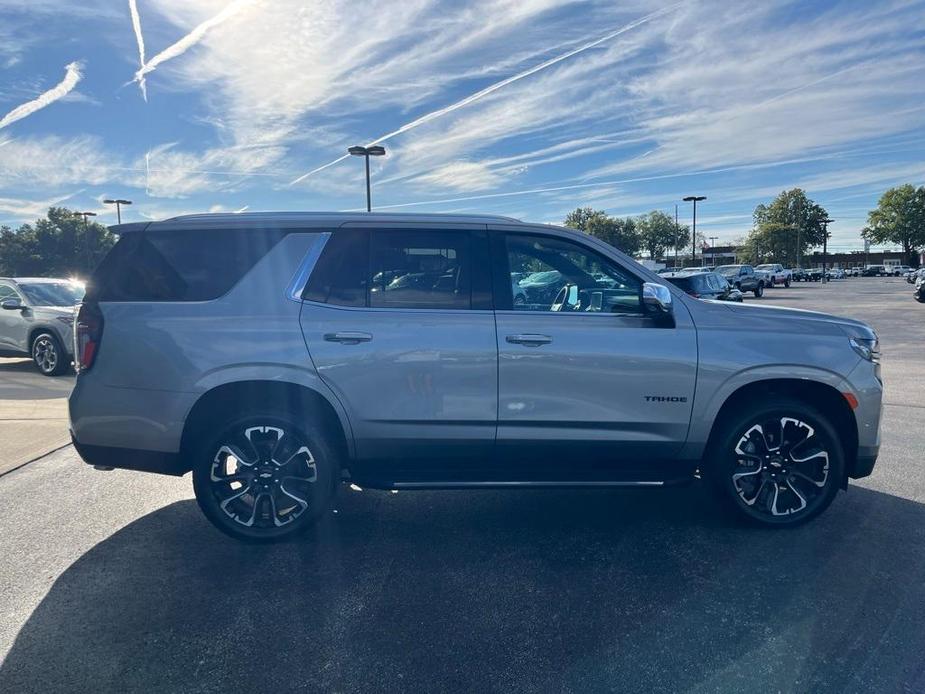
x=694, y=199
x=85, y=215
x=713, y=250
x=825, y=243
x=677, y=234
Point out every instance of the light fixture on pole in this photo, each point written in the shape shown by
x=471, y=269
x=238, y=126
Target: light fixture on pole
x=825, y=243
x=367, y=152
x=118, y=203
x=694, y=199
x=85, y=215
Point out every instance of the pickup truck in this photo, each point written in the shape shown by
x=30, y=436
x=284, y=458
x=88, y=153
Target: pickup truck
x=743, y=278
x=776, y=273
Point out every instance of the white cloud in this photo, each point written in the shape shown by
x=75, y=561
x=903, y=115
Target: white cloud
x=49, y=162
x=72, y=76
x=30, y=209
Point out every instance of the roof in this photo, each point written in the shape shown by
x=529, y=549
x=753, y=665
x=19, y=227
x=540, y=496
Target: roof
x=307, y=219
x=37, y=280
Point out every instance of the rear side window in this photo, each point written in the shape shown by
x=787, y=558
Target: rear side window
x=179, y=265
x=340, y=276
x=420, y=270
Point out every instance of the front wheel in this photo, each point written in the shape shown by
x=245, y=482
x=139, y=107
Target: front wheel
x=265, y=477
x=48, y=354
x=777, y=464
x=759, y=290
x=787, y=283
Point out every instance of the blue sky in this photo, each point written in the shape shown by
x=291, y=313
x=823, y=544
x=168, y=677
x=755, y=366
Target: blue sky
x=522, y=107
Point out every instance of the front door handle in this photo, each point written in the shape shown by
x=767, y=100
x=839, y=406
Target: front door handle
x=529, y=340
x=348, y=337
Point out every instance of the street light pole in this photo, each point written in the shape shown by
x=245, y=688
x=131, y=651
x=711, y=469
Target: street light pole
x=694, y=199
x=367, y=152
x=825, y=244
x=677, y=234
x=118, y=203
x=713, y=249
x=85, y=215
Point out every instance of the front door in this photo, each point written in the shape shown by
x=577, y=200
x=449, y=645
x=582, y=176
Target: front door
x=14, y=328
x=398, y=323
x=585, y=374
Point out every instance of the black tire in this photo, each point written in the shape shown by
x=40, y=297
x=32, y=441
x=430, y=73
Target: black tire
x=253, y=449
x=49, y=355
x=759, y=290
x=743, y=474
x=787, y=283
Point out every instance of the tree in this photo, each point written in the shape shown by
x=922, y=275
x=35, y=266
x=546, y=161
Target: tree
x=657, y=233
x=619, y=233
x=900, y=219
x=58, y=245
x=770, y=242
x=794, y=209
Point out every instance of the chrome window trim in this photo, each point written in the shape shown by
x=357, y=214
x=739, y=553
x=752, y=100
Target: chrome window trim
x=304, y=271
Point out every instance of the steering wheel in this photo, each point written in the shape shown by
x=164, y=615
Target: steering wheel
x=560, y=303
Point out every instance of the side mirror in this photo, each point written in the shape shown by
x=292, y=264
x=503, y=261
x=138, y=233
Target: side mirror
x=11, y=305
x=656, y=298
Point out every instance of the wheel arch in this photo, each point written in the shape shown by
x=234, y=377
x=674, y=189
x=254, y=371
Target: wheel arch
x=823, y=396
x=226, y=399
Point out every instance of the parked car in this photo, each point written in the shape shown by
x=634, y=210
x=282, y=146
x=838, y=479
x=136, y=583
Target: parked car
x=874, y=271
x=36, y=315
x=835, y=273
x=272, y=372
x=798, y=275
x=853, y=272
x=914, y=275
x=777, y=273
x=743, y=278
x=705, y=285
x=919, y=292
x=898, y=270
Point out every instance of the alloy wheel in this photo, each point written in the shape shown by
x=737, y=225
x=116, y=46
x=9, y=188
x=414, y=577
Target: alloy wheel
x=782, y=468
x=262, y=476
x=45, y=354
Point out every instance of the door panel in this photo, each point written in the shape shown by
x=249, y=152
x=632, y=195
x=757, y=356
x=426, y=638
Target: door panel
x=606, y=382
x=14, y=325
x=418, y=379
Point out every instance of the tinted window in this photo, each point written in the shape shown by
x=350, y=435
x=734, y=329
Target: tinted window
x=340, y=276
x=7, y=292
x=420, y=270
x=681, y=282
x=550, y=269
x=179, y=265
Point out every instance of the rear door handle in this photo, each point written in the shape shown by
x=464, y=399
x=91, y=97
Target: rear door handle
x=529, y=340
x=348, y=337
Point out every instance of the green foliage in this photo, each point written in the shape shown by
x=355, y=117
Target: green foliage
x=58, y=245
x=770, y=242
x=792, y=208
x=620, y=233
x=658, y=233
x=900, y=219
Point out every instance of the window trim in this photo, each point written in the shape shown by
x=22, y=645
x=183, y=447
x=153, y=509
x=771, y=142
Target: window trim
x=501, y=269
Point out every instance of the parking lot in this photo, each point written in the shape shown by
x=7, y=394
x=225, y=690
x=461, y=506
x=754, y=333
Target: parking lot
x=115, y=582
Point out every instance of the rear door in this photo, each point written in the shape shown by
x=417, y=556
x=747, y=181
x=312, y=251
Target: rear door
x=14, y=328
x=587, y=376
x=398, y=323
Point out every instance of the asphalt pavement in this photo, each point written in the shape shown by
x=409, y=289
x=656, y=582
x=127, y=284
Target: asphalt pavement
x=114, y=582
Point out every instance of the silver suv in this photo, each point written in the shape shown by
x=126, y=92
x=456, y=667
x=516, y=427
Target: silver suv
x=275, y=355
x=36, y=319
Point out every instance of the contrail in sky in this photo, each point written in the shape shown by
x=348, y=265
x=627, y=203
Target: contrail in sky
x=191, y=39
x=71, y=78
x=498, y=85
x=140, y=39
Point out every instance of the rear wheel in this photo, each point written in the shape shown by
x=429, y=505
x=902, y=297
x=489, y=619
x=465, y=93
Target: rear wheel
x=787, y=283
x=777, y=464
x=48, y=354
x=265, y=477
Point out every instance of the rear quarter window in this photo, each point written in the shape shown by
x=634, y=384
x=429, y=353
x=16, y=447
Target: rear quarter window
x=179, y=265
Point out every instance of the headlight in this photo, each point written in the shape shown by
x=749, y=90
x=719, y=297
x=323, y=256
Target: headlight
x=867, y=348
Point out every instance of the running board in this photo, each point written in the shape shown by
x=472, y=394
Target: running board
x=518, y=484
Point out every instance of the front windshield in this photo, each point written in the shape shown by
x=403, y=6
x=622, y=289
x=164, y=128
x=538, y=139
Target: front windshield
x=53, y=293
x=728, y=269
x=765, y=267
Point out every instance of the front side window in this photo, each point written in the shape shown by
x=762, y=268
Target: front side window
x=7, y=292
x=550, y=274
x=420, y=270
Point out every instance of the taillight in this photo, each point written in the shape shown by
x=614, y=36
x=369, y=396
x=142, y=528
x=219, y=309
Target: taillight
x=88, y=331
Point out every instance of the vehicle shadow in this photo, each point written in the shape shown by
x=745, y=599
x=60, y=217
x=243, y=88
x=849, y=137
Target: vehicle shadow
x=21, y=380
x=493, y=591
